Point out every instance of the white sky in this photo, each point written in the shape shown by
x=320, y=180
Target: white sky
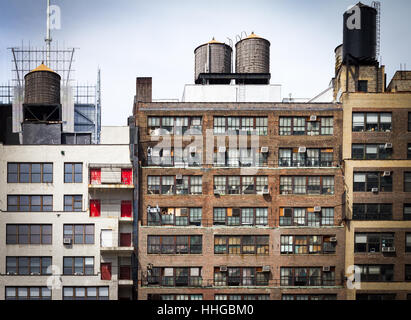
x=130, y=38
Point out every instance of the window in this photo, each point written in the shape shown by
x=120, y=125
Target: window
x=28, y=265
x=376, y=273
x=78, y=266
x=409, y=121
x=372, y=211
x=306, y=217
x=362, y=86
x=176, y=125
x=241, y=245
x=307, y=276
x=175, y=276
x=371, y=152
x=375, y=296
x=408, y=272
x=241, y=276
x=29, y=203
x=408, y=242
x=293, y=244
x=28, y=234
x=240, y=184
x=174, y=244
x=327, y=126
x=409, y=151
x=309, y=297
x=407, y=181
x=171, y=185
x=306, y=185
x=369, y=121
x=175, y=297
x=237, y=297
x=175, y=216
x=73, y=203
x=29, y=172
x=79, y=233
x=85, y=293
x=296, y=157
x=73, y=172
x=233, y=125
x=95, y=208
x=28, y=293
x=303, y=125
x=407, y=211
x=240, y=216
x=367, y=181
x=373, y=242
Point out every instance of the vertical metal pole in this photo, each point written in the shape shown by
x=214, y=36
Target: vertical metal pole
x=48, y=38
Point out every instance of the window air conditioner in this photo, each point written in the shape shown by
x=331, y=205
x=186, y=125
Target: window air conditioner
x=333, y=239
x=375, y=190
x=313, y=118
x=326, y=268
x=193, y=149
x=223, y=268
x=221, y=149
x=386, y=173
x=265, y=190
x=317, y=209
x=266, y=268
x=67, y=241
x=179, y=177
x=264, y=149
x=302, y=149
x=388, y=145
x=388, y=249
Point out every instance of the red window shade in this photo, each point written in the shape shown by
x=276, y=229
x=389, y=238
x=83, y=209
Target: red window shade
x=126, y=176
x=126, y=209
x=106, y=271
x=125, y=273
x=94, y=208
x=125, y=239
x=95, y=176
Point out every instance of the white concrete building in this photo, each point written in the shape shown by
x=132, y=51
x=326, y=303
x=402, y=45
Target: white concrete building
x=66, y=220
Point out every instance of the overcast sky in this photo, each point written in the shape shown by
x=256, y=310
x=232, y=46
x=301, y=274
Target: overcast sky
x=130, y=38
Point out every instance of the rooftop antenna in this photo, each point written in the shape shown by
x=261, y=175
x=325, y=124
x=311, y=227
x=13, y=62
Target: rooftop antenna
x=48, y=37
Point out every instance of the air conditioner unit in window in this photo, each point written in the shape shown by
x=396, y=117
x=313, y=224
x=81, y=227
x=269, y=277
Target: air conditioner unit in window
x=179, y=177
x=264, y=149
x=302, y=149
x=218, y=192
x=265, y=190
x=221, y=149
x=388, y=249
x=333, y=239
x=317, y=209
x=388, y=145
x=386, y=173
x=326, y=268
x=67, y=241
x=149, y=151
x=193, y=149
x=313, y=118
x=223, y=268
x=375, y=190
x=266, y=268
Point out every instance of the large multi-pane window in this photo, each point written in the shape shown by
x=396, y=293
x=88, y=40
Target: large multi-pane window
x=305, y=157
x=174, y=185
x=78, y=266
x=29, y=203
x=370, y=181
x=237, y=297
x=309, y=297
x=371, y=121
x=240, y=216
x=73, y=202
x=28, y=234
x=79, y=233
x=180, y=244
x=372, y=211
x=174, y=276
x=371, y=151
x=175, y=125
x=408, y=242
x=376, y=273
x=240, y=184
x=307, y=276
x=73, y=172
x=303, y=126
x=85, y=293
x=241, y=276
x=240, y=158
x=28, y=265
x=28, y=293
x=375, y=296
x=175, y=297
x=306, y=185
x=407, y=211
x=306, y=244
x=373, y=242
x=258, y=245
x=174, y=216
x=313, y=217
x=29, y=172
x=230, y=125
x=407, y=181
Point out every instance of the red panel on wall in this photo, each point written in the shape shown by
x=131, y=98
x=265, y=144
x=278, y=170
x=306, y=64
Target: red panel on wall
x=95, y=176
x=126, y=176
x=126, y=209
x=125, y=239
x=125, y=273
x=94, y=208
x=106, y=271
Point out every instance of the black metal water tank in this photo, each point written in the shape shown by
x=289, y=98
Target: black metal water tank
x=360, y=37
x=42, y=86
